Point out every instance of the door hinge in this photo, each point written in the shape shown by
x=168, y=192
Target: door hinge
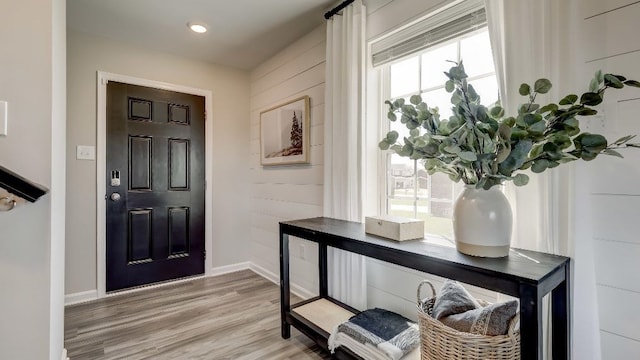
x=205, y=254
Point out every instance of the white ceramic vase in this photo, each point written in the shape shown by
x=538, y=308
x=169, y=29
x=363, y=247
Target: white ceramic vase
x=482, y=222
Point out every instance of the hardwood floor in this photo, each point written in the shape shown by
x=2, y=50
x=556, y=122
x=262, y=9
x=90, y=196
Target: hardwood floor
x=233, y=316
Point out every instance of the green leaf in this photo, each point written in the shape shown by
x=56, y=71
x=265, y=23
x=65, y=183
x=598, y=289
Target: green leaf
x=516, y=158
x=423, y=107
x=590, y=99
x=415, y=99
x=623, y=139
x=457, y=72
x=398, y=103
x=510, y=121
x=504, y=131
x=456, y=98
x=496, y=112
x=538, y=127
x=517, y=133
x=449, y=86
x=392, y=136
x=599, y=76
x=633, y=83
x=392, y=116
x=548, y=108
x=414, y=132
x=612, y=153
x=467, y=156
x=536, y=151
x=530, y=119
x=542, y=86
x=570, y=99
x=613, y=81
x=587, y=112
x=594, y=85
x=525, y=89
x=540, y=165
x=588, y=156
x=383, y=145
x=593, y=142
x=590, y=143
x=453, y=149
x=520, y=180
x=502, y=155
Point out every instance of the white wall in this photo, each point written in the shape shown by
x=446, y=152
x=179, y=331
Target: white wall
x=288, y=192
x=88, y=54
x=612, y=45
x=32, y=75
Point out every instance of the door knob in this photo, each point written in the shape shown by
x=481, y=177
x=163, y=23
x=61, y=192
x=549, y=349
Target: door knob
x=115, y=196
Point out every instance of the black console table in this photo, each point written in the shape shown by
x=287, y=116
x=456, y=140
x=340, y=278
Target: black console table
x=527, y=275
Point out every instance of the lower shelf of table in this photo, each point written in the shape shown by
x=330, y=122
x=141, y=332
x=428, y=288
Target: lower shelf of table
x=319, y=316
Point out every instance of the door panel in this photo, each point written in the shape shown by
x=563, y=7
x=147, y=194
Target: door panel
x=155, y=147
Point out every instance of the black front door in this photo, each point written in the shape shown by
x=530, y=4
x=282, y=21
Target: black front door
x=155, y=185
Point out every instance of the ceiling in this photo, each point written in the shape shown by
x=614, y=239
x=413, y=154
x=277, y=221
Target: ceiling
x=242, y=33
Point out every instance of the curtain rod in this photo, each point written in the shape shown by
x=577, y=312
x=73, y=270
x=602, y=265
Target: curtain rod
x=337, y=9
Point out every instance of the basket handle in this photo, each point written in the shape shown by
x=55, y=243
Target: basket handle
x=418, y=292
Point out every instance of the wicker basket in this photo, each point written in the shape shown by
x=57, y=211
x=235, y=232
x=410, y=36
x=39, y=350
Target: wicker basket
x=440, y=342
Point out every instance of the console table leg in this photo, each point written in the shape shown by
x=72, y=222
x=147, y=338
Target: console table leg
x=561, y=321
x=530, y=323
x=285, y=294
x=322, y=270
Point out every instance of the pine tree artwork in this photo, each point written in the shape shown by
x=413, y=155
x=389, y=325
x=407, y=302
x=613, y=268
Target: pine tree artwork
x=296, y=133
x=284, y=133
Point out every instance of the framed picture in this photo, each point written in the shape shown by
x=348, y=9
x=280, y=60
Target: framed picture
x=284, y=133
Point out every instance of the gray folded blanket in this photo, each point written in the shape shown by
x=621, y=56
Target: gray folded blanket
x=456, y=308
x=391, y=333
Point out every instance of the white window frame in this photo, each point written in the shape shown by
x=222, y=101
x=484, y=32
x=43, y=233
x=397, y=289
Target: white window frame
x=384, y=82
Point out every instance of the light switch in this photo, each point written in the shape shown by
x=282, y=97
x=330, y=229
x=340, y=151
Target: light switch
x=4, y=111
x=85, y=152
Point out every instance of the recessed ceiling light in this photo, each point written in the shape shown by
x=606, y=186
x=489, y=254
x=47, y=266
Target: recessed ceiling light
x=197, y=27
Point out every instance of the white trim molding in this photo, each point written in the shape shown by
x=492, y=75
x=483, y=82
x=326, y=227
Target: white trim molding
x=80, y=297
x=102, y=79
x=64, y=356
x=85, y=296
x=221, y=270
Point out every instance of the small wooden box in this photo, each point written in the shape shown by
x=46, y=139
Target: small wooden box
x=394, y=227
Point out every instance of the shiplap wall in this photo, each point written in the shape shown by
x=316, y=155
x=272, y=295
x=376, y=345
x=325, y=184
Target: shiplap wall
x=295, y=191
x=613, y=45
x=290, y=192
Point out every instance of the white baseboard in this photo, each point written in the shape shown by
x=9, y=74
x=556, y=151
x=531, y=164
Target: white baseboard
x=80, y=297
x=296, y=289
x=85, y=296
x=220, y=270
x=64, y=354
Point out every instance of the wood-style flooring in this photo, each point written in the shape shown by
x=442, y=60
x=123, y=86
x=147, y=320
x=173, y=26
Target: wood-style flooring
x=233, y=316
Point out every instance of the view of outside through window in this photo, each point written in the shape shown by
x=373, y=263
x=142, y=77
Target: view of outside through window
x=410, y=191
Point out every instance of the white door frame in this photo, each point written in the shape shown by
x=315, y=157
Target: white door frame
x=101, y=188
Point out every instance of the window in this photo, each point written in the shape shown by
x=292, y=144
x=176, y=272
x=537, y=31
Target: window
x=409, y=190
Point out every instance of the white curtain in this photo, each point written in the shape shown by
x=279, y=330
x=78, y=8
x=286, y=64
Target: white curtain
x=531, y=40
x=343, y=142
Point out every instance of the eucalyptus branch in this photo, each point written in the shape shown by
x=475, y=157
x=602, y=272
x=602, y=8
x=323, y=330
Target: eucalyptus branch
x=496, y=149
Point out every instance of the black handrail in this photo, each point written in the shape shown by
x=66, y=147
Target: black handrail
x=20, y=186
